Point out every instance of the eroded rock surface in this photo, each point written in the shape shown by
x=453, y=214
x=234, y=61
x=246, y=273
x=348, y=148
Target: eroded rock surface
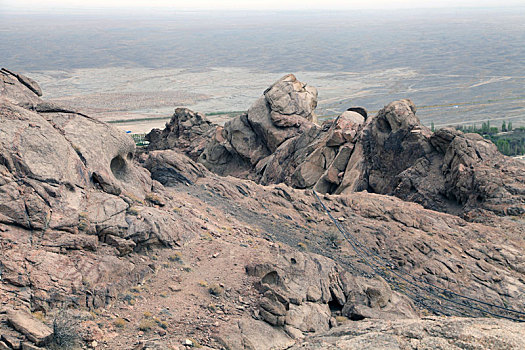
x=186, y=131
x=446, y=170
x=392, y=153
x=86, y=223
x=35, y=330
x=71, y=196
x=428, y=333
x=306, y=292
x=244, y=143
x=19, y=88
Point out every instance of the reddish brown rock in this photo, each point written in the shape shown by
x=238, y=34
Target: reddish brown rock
x=391, y=153
x=32, y=328
x=185, y=131
x=72, y=238
x=427, y=333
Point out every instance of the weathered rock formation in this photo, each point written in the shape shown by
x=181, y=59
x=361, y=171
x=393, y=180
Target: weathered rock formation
x=15, y=87
x=278, y=141
x=72, y=201
x=305, y=292
x=186, y=132
x=171, y=168
x=285, y=111
x=82, y=217
x=387, y=154
x=428, y=333
x=35, y=330
x=446, y=170
x=479, y=260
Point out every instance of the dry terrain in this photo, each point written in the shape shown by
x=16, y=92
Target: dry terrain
x=272, y=231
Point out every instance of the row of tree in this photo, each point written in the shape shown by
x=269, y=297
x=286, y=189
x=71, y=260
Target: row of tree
x=510, y=147
x=486, y=128
x=509, y=140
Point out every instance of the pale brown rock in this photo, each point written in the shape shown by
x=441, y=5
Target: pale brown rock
x=12, y=342
x=286, y=110
x=171, y=168
x=29, y=346
x=66, y=182
x=300, y=287
x=33, y=329
x=288, y=96
x=123, y=246
x=12, y=88
x=428, y=333
x=185, y=131
x=28, y=82
x=253, y=334
x=309, y=317
x=82, y=228
x=391, y=153
x=90, y=331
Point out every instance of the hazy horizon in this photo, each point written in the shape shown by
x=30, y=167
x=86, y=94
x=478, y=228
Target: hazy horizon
x=469, y=62
x=254, y=5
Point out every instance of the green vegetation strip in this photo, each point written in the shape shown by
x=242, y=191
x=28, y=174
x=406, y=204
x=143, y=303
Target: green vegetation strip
x=123, y=121
x=510, y=142
x=224, y=113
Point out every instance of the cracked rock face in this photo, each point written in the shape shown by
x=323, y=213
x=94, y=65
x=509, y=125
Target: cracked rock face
x=446, y=171
x=392, y=153
x=285, y=110
x=19, y=89
x=427, y=333
x=288, y=98
x=69, y=184
x=80, y=214
x=185, y=131
x=306, y=292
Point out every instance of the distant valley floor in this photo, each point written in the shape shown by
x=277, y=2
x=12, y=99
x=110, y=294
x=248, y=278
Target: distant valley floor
x=139, y=99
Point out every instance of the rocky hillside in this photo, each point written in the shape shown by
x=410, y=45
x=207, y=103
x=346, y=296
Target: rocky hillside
x=109, y=248
x=279, y=141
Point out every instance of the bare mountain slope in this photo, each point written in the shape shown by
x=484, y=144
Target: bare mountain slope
x=153, y=250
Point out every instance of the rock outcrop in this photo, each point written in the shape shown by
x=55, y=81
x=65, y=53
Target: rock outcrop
x=427, y=333
x=35, y=330
x=478, y=260
x=19, y=88
x=392, y=153
x=83, y=218
x=186, y=131
x=171, y=168
x=72, y=201
x=306, y=292
x=446, y=170
x=245, y=143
